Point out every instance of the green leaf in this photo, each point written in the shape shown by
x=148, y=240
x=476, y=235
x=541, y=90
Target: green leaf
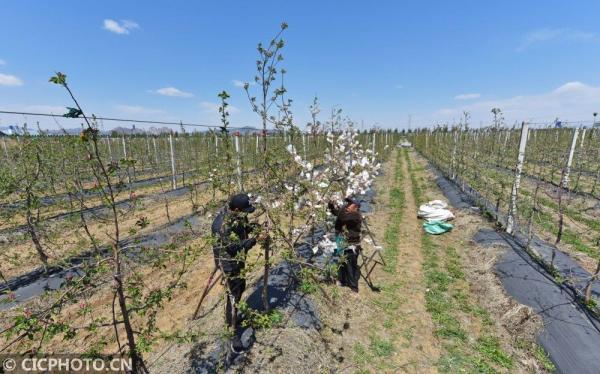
x=59, y=78
x=73, y=113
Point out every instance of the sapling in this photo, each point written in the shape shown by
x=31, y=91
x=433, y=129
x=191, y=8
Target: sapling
x=222, y=174
x=7, y=158
x=455, y=132
x=596, y=179
x=267, y=71
x=31, y=204
x=27, y=181
x=497, y=124
x=105, y=185
x=535, y=208
x=595, y=276
x=80, y=195
x=314, y=126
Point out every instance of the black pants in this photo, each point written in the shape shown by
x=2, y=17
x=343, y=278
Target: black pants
x=235, y=288
x=349, y=273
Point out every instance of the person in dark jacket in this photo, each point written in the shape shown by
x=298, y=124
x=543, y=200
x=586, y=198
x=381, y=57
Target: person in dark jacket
x=348, y=226
x=231, y=232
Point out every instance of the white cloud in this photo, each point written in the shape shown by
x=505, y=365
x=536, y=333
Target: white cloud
x=124, y=27
x=173, y=92
x=210, y=107
x=10, y=80
x=241, y=84
x=135, y=109
x=573, y=101
x=467, y=96
x=556, y=34
x=2, y=62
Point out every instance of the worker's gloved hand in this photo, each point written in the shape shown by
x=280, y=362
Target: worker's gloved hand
x=331, y=205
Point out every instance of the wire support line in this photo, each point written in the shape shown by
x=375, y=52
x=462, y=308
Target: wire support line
x=126, y=120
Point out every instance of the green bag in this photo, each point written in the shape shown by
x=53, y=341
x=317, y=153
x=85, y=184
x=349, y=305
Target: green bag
x=340, y=241
x=437, y=227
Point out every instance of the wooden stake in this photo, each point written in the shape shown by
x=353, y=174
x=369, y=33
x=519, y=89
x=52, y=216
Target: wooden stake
x=210, y=283
x=512, y=212
x=238, y=163
x=174, y=181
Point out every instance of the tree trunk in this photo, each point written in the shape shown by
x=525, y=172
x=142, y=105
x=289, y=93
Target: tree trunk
x=35, y=239
x=588, y=287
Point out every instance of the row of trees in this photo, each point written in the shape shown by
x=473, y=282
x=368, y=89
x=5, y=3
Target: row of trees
x=291, y=176
x=531, y=180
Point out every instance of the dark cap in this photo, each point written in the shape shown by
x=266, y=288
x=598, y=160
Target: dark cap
x=350, y=201
x=241, y=202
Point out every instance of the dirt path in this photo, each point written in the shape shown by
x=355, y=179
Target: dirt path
x=409, y=267
x=387, y=331
x=439, y=309
x=480, y=327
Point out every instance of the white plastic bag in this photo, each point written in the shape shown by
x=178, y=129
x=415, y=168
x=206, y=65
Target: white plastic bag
x=435, y=211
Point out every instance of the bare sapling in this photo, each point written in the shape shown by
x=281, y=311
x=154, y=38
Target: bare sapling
x=595, y=276
x=26, y=179
x=102, y=176
x=455, y=132
x=161, y=181
x=31, y=205
x=80, y=195
x=267, y=70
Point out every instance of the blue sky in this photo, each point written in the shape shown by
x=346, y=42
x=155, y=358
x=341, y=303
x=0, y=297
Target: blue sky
x=379, y=61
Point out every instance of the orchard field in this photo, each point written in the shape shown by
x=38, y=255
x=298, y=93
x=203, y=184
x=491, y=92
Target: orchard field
x=106, y=237
x=556, y=196
x=106, y=246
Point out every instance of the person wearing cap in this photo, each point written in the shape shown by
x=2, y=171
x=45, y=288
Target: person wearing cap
x=231, y=232
x=348, y=226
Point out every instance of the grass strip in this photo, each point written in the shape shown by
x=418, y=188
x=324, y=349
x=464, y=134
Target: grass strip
x=376, y=354
x=447, y=299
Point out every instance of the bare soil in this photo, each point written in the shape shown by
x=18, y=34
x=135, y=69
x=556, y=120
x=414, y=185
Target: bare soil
x=390, y=331
x=514, y=324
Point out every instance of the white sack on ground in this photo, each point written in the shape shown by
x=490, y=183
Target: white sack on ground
x=326, y=245
x=435, y=211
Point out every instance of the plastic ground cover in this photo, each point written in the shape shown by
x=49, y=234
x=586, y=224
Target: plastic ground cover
x=571, y=335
